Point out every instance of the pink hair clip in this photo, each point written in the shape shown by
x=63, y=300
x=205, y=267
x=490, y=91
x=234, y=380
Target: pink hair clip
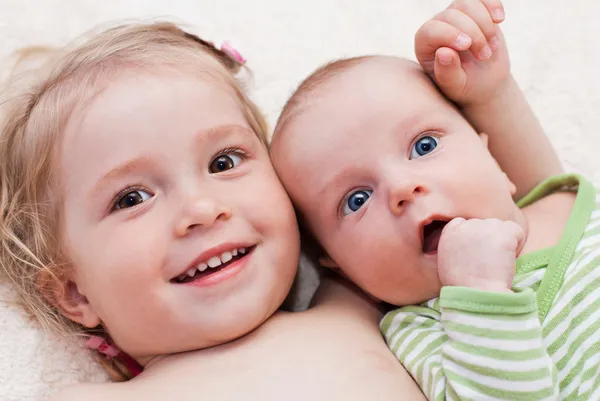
x=227, y=48
x=101, y=345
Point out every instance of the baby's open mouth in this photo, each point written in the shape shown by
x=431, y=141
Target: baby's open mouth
x=213, y=265
x=431, y=235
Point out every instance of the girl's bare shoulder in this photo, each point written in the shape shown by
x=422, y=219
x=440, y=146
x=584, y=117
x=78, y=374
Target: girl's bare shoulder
x=88, y=391
x=332, y=351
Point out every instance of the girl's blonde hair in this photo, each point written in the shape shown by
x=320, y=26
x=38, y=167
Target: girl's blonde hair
x=34, y=111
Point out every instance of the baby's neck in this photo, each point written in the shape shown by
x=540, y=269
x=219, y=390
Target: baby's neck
x=545, y=220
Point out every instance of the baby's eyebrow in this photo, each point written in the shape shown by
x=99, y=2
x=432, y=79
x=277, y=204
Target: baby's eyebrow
x=334, y=183
x=414, y=124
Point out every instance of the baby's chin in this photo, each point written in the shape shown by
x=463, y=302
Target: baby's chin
x=403, y=295
x=410, y=296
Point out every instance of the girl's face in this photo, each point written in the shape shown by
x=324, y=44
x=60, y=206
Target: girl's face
x=178, y=230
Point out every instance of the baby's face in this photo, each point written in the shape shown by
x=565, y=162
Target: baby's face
x=179, y=232
x=376, y=161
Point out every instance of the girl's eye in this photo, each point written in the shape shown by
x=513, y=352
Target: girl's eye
x=224, y=162
x=356, y=200
x=423, y=146
x=133, y=198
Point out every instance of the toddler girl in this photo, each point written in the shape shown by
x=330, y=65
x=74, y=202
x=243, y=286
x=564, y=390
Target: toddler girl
x=141, y=213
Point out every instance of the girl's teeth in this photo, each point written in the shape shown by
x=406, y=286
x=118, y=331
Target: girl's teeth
x=214, y=261
x=226, y=257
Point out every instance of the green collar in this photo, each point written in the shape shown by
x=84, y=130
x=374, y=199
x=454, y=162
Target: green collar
x=558, y=257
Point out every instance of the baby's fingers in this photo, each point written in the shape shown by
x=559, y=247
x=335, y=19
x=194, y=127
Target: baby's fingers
x=448, y=71
x=520, y=236
x=434, y=35
x=477, y=11
x=496, y=9
x=480, y=47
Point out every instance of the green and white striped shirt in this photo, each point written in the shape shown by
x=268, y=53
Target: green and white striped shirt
x=541, y=342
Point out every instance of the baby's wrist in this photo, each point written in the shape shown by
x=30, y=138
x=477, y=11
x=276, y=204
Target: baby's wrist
x=501, y=95
x=487, y=285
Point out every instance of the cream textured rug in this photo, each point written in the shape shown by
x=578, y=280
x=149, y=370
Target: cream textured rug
x=554, y=48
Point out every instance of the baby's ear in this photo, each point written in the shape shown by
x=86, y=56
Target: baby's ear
x=68, y=299
x=328, y=263
x=511, y=186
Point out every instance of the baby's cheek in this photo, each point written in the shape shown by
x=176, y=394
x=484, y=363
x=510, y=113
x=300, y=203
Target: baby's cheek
x=354, y=260
x=374, y=264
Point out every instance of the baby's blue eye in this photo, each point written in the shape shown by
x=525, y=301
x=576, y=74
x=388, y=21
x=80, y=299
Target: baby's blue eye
x=423, y=146
x=356, y=200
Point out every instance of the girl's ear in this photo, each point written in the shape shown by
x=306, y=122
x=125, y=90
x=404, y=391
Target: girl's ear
x=69, y=300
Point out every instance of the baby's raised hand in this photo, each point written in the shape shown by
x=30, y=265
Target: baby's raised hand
x=464, y=51
x=479, y=253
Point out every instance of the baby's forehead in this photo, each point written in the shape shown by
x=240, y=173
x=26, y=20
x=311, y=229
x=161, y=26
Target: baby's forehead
x=385, y=65
x=356, y=80
x=363, y=76
x=341, y=76
x=374, y=72
x=374, y=94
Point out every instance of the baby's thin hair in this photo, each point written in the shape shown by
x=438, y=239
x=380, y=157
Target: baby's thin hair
x=35, y=107
x=309, y=85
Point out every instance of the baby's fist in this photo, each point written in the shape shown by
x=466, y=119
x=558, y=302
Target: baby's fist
x=462, y=49
x=479, y=253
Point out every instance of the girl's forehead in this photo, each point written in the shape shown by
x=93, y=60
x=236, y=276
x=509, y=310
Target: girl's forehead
x=133, y=92
x=144, y=114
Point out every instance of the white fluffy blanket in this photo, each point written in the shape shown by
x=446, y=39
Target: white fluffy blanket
x=553, y=44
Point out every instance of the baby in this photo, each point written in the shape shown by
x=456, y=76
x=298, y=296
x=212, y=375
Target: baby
x=404, y=199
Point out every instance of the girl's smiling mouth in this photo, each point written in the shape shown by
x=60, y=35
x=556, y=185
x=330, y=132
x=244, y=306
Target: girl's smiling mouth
x=227, y=260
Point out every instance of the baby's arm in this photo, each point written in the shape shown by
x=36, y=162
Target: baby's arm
x=516, y=138
x=461, y=353
x=464, y=52
x=480, y=340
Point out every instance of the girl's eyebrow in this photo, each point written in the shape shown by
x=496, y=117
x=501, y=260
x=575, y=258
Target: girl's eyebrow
x=222, y=130
x=145, y=162
x=121, y=170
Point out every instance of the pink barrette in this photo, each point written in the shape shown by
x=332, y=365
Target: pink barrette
x=101, y=345
x=227, y=48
